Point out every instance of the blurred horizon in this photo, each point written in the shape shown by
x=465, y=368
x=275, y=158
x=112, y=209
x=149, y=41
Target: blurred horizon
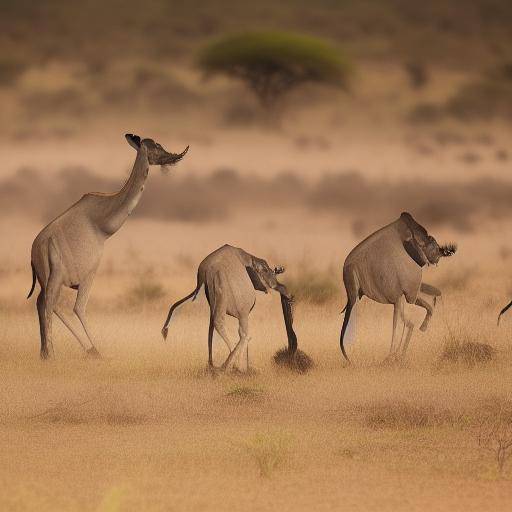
x=424, y=124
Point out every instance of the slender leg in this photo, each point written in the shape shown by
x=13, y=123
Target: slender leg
x=408, y=335
x=80, y=311
x=243, y=332
x=210, y=342
x=84, y=343
x=424, y=304
x=218, y=323
x=51, y=296
x=233, y=360
x=42, y=324
x=397, y=324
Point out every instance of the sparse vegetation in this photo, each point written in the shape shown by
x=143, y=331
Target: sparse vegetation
x=269, y=452
x=10, y=70
x=314, y=286
x=417, y=73
x=146, y=290
x=467, y=353
x=404, y=415
x=299, y=362
x=495, y=433
x=245, y=393
x=487, y=97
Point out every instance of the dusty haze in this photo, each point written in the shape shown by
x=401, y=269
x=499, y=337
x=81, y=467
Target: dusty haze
x=146, y=428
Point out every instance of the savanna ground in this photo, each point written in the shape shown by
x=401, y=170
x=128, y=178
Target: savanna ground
x=146, y=428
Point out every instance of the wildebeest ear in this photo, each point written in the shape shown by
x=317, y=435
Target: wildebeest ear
x=417, y=229
x=255, y=279
x=413, y=250
x=133, y=140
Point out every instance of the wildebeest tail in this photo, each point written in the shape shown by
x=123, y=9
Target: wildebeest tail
x=193, y=295
x=33, y=281
x=504, y=310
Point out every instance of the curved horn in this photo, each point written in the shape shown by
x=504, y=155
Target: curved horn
x=174, y=158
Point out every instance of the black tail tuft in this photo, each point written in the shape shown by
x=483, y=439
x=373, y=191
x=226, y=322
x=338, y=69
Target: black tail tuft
x=448, y=250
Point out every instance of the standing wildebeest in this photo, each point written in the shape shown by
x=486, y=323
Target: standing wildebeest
x=230, y=277
x=387, y=268
x=67, y=251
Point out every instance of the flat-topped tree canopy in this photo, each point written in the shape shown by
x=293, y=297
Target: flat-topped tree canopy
x=273, y=62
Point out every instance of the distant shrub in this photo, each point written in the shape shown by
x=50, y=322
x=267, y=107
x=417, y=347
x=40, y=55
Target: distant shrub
x=315, y=287
x=417, y=73
x=485, y=98
x=10, y=70
x=146, y=290
x=426, y=112
x=272, y=63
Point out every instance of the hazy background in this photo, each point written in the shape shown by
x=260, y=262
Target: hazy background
x=425, y=126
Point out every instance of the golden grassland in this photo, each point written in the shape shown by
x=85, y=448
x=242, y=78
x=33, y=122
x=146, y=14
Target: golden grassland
x=147, y=428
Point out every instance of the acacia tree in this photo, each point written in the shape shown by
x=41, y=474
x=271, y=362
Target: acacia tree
x=273, y=63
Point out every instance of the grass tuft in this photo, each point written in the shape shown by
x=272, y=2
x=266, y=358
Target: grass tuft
x=299, y=362
x=468, y=353
x=245, y=394
x=403, y=415
x=268, y=451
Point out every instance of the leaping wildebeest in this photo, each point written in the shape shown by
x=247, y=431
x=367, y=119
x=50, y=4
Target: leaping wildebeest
x=387, y=268
x=68, y=250
x=230, y=277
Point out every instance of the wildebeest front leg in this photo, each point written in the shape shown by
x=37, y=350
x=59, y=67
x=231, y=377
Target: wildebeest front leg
x=428, y=289
x=424, y=304
x=80, y=308
x=409, y=326
x=398, y=327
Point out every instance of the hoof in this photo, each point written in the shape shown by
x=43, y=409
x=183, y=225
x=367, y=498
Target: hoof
x=392, y=360
x=92, y=353
x=236, y=372
x=44, y=355
x=213, y=370
x=423, y=327
x=252, y=371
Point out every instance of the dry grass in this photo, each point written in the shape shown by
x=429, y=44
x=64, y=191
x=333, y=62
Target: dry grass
x=404, y=415
x=152, y=426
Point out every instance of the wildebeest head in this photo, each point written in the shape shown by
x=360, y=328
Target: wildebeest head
x=422, y=247
x=157, y=155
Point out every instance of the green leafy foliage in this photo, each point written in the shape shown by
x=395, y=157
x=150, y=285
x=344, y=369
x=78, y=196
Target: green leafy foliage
x=272, y=63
